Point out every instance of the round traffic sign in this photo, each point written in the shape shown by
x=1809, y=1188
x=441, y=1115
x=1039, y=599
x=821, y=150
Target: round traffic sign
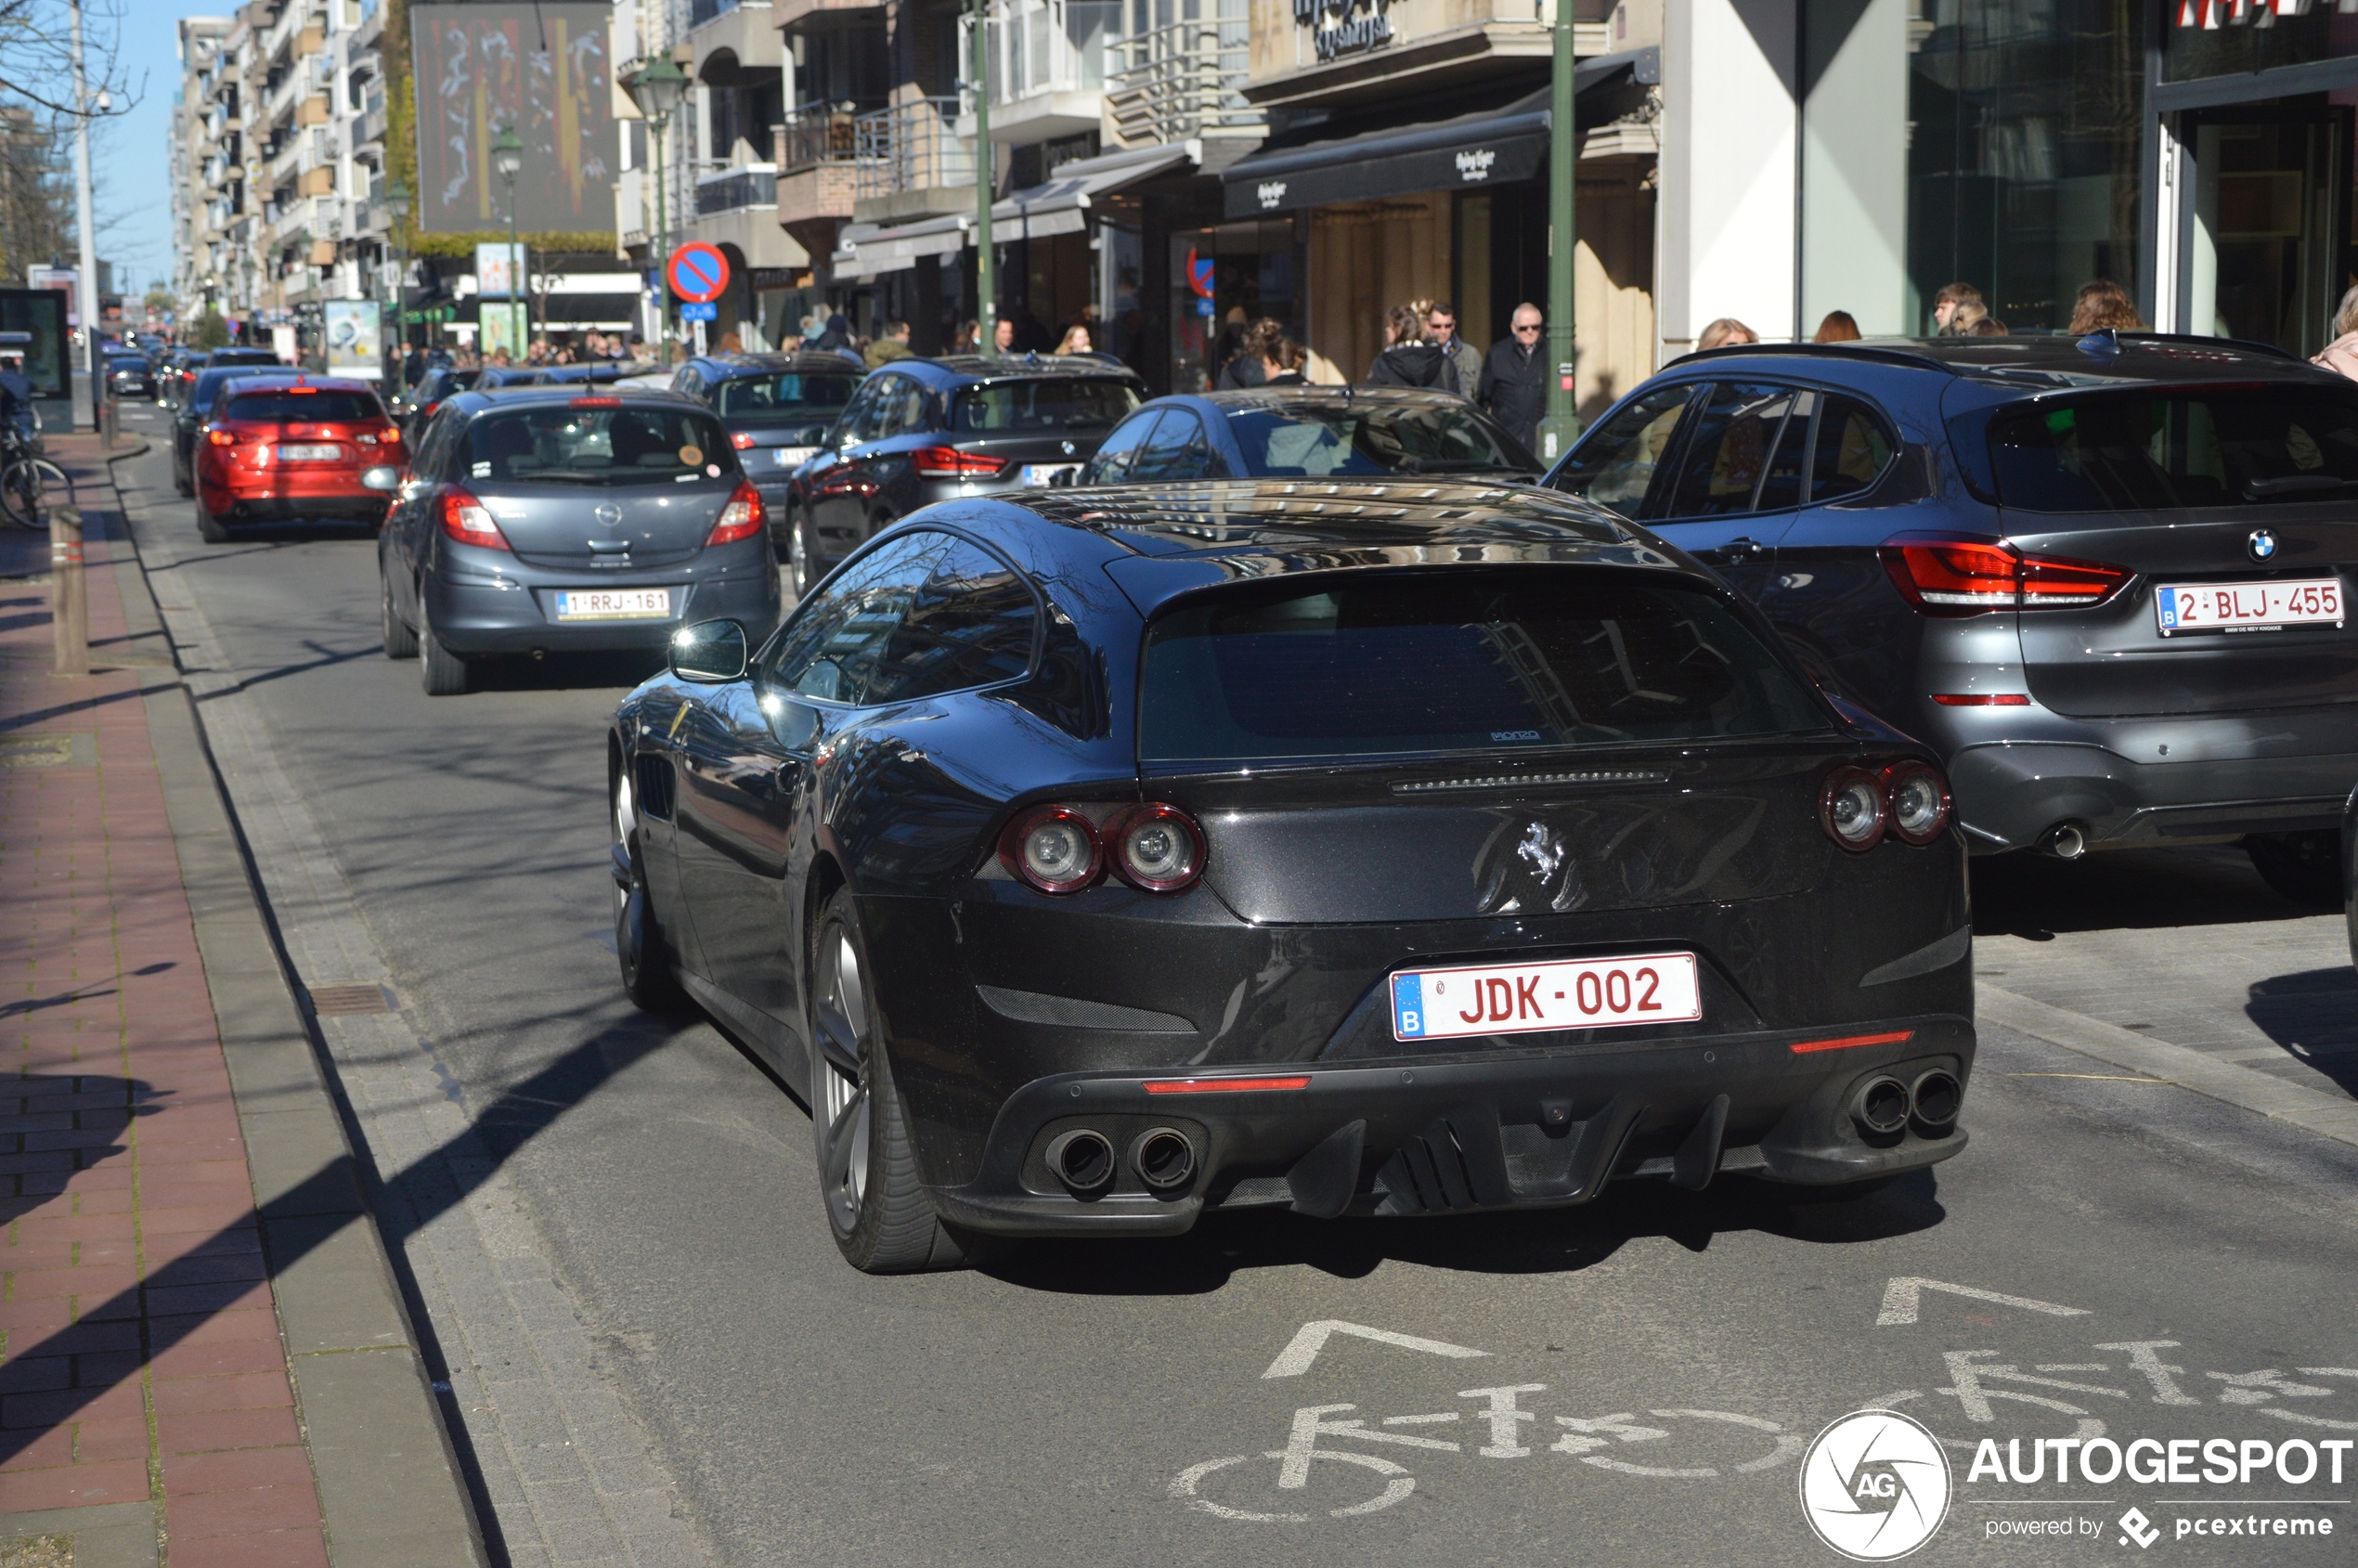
x=698, y=273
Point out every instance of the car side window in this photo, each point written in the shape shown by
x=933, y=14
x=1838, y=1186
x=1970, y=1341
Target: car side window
x=1853, y=449
x=1789, y=466
x=1178, y=449
x=916, y=407
x=1112, y=465
x=1616, y=466
x=831, y=649
x=1726, y=459
x=688, y=381
x=975, y=622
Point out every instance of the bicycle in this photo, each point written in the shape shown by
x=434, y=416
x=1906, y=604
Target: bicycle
x=27, y=480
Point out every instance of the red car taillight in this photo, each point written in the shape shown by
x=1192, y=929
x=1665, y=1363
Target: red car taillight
x=468, y=521
x=742, y=518
x=948, y=462
x=1948, y=576
x=741, y=440
x=1908, y=800
x=1155, y=848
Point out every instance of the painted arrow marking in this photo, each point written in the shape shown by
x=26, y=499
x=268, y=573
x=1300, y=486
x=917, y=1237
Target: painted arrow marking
x=1902, y=1295
x=1295, y=1360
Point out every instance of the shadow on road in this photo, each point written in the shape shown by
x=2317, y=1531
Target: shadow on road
x=1533, y=1241
x=2035, y=897
x=2315, y=1016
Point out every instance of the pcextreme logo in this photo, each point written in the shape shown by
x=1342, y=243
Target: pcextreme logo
x=1874, y=1485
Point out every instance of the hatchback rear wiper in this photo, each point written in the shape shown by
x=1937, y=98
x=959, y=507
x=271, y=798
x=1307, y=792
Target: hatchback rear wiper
x=2293, y=484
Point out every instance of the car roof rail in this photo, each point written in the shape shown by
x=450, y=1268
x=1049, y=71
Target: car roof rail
x=1880, y=353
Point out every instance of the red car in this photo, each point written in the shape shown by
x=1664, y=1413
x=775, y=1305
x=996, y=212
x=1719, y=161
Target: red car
x=297, y=448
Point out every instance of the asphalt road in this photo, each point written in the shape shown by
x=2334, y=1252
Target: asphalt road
x=1664, y=1356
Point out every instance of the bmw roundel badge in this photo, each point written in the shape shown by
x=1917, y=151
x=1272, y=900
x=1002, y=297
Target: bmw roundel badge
x=2263, y=544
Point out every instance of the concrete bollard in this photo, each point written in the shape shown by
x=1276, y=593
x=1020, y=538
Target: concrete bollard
x=69, y=601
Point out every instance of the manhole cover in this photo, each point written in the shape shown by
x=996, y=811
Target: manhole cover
x=338, y=1001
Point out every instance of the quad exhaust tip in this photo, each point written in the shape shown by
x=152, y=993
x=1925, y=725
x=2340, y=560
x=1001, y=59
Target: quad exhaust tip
x=1936, y=1099
x=1880, y=1106
x=1083, y=1159
x=1163, y=1158
x=2065, y=841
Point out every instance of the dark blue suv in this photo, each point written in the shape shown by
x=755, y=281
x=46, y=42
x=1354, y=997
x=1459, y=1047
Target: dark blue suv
x=2107, y=577
x=777, y=408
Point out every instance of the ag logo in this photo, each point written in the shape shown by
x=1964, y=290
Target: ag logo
x=1874, y=1485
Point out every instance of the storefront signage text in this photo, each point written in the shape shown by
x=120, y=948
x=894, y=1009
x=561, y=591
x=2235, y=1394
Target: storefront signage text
x=1474, y=164
x=1344, y=27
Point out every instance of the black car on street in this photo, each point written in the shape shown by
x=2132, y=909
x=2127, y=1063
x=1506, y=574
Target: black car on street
x=1307, y=432
x=436, y=386
x=2108, y=578
x=130, y=375
x=778, y=408
x=1088, y=859
x=920, y=431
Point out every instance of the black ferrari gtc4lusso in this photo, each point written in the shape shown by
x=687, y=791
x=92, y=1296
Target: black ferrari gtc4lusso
x=1090, y=859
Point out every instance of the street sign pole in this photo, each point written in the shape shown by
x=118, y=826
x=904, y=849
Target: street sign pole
x=1563, y=423
x=986, y=166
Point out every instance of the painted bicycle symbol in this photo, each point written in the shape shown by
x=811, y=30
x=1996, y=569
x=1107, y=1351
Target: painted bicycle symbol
x=1226, y=1487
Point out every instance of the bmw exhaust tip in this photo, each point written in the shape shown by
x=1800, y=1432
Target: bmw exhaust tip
x=1937, y=1098
x=2065, y=841
x=1880, y=1106
x=1163, y=1158
x=1083, y=1159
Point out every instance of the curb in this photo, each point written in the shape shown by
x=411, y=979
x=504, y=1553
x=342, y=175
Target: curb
x=2246, y=1088
x=391, y=1490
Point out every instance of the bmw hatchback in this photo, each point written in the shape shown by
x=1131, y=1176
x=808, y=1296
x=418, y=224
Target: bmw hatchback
x=544, y=521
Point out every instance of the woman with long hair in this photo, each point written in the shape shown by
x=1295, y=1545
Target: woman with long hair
x=2103, y=304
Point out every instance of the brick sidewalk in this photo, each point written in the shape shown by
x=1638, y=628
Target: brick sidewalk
x=143, y=1362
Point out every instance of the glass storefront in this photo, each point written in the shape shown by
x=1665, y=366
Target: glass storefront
x=1222, y=277
x=2252, y=37
x=2023, y=163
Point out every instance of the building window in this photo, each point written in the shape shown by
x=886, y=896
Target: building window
x=2022, y=170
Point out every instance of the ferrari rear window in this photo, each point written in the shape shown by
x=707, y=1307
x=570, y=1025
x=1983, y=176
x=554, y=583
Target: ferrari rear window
x=1483, y=661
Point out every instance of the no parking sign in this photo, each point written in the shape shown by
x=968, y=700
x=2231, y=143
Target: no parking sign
x=697, y=273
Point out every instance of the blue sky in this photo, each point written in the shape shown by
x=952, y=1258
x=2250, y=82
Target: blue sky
x=130, y=157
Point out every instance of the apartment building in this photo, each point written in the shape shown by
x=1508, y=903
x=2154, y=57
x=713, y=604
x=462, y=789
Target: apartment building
x=279, y=151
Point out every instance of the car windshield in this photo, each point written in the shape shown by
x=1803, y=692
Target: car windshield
x=209, y=382
x=310, y=405
x=1342, y=441
x=792, y=393
x=597, y=446
x=1458, y=661
x=2171, y=449
x=1057, y=403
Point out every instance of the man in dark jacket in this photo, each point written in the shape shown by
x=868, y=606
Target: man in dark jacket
x=1514, y=378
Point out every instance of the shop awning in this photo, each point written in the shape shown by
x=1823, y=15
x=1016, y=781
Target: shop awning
x=1467, y=152
x=1058, y=206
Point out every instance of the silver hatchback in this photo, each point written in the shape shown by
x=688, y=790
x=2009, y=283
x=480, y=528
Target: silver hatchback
x=552, y=520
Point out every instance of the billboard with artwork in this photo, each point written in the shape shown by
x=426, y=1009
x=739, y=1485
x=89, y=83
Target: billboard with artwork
x=543, y=68
x=355, y=344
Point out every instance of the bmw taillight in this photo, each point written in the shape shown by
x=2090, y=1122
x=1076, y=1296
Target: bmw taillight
x=468, y=521
x=1154, y=847
x=1908, y=800
x=1953, y=576
x=948, y=462
x=742, y=518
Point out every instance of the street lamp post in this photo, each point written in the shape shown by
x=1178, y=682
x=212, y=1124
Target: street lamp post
x=985, y=181
x=1563, y=189
x=397, y=203
x=657, y=91
x=507, y=157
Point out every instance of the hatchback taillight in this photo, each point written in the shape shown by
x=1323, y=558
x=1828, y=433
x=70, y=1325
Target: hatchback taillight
x=741, y=440
x=1155, y=848
x=742, y=518
x=1908, y=800
x=1953, y=576
x=468, y=521
x=948, y=462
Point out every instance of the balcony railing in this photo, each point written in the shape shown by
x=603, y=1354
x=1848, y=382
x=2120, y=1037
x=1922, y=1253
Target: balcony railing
x=1043, y=46
x=821, y=135
x=752, y=185
x=909, y=145
x=703, y=11
x=1185, y=79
